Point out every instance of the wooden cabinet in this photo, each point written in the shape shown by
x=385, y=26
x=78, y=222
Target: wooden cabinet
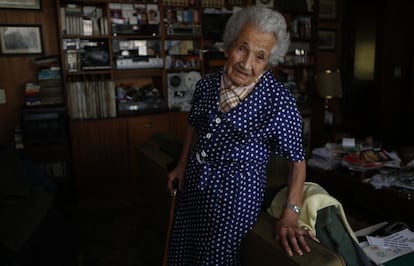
x=100, y=159
x=46, y=139
x=112, y=57
x=121, y=57
x=105, y=164
x=140, y=130
x=179, y=124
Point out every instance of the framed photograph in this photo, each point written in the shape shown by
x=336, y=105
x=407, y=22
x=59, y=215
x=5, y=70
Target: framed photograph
x=20, y=4
x=266, y=3
x=326, y=39
x=20, y=39
x=328, y=9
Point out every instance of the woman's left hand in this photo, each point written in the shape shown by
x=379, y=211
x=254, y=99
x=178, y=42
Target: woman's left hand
x=291, y=236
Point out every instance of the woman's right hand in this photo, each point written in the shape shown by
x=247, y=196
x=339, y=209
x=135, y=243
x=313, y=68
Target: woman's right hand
x=176, y=175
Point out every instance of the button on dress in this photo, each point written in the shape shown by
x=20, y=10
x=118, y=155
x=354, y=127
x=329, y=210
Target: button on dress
x=225, y=177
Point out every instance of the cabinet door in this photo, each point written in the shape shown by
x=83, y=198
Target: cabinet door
x=179, y=124
x=100, y=160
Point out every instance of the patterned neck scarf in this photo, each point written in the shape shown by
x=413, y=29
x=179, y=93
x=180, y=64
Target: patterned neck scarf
x=231, y=95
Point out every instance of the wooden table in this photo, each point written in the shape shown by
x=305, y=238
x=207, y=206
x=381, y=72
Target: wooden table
x=363, y=200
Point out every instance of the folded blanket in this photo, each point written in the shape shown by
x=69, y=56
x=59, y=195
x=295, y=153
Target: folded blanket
x=315, y=198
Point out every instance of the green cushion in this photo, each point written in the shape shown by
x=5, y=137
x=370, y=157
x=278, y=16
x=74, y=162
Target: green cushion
x=332, y=234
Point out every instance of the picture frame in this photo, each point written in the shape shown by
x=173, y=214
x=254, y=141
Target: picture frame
x=20, y=39
x=20, y=4
x=266, y=3
x=328, y=9
x=327, y=39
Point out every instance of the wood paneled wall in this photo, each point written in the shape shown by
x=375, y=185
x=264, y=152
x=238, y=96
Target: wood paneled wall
x=16, y=71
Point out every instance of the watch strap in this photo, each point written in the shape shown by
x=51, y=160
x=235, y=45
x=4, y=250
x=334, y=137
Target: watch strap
x=293, y=207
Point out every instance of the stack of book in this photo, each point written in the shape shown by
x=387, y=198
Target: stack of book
x=32, y=94
x=51, y=86
x=86, y=20
x=48, y=90
x=91, y=99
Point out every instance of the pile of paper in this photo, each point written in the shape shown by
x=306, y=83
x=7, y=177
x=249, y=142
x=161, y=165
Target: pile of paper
x=327, y=157
x=383, y=249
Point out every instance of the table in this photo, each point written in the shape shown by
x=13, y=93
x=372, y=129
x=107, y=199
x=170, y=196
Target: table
x=362, y=199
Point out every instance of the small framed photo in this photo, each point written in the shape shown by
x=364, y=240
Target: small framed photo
x=20, y=39
x=20, y=4
x=328, y=9
x=327, y=39
x=266, y=3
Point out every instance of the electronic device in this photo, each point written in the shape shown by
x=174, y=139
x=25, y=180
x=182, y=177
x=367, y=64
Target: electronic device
x=135, y=29
x=95, y=57
x=139, y=62
x=180, y=30
x=131, y=100
x=181, y=87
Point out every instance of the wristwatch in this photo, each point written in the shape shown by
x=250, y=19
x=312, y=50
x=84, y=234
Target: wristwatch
x=293, y=207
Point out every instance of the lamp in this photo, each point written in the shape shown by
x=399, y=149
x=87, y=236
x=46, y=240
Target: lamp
x=329, y=87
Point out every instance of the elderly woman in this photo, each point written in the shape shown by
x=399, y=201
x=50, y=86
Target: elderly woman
x=240, y=116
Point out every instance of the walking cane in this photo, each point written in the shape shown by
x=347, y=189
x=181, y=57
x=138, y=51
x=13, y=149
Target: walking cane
x=170, y=223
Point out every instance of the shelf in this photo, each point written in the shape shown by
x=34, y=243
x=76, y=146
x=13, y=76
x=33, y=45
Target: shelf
x=83, y=73
x=188, y=69
x=116, y=36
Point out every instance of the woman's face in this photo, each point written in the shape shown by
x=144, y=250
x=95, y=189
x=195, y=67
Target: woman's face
x=248, y=57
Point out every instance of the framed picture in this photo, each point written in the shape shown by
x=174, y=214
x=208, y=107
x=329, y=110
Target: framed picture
x=328, y=9
x=267, y=3
x=326, y=39
x=20, y=4
x=20, y=39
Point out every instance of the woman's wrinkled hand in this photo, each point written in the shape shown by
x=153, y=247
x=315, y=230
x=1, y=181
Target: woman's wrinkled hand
x=291, y=236
x=176, y=175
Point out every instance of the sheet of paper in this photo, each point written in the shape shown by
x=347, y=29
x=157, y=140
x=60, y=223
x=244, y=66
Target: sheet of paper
x=348, y=143
x=383, y=249
x=380, y=256
x=401, y=239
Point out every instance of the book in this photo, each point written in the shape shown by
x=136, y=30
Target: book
x=48, y=74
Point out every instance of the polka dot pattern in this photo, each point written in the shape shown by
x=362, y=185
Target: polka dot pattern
x=226, y=172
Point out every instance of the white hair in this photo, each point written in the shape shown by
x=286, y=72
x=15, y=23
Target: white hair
x=265, y=19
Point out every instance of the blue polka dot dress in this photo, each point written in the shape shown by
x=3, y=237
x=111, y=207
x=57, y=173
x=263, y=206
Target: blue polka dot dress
x=225, y=176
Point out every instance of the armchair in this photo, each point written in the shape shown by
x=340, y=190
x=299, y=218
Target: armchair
x=258, y=248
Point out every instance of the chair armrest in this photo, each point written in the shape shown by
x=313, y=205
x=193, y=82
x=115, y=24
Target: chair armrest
x=259, y=247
